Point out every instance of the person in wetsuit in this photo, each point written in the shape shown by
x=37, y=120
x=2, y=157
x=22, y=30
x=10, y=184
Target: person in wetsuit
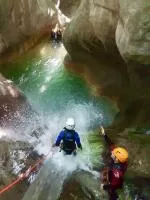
x=53, y=35
x=69, y=138
x=59, y=36
x=115, y=169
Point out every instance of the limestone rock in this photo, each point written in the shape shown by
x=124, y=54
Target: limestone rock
x=15, y=158
x=121, y=22
x=109, y=40
x=15, y=111
x=22, y=19
x=133, y=30
x=69, y=7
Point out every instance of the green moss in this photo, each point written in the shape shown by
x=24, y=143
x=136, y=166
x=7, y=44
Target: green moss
x=96, y=147
x=140, y=139
x=124, y=195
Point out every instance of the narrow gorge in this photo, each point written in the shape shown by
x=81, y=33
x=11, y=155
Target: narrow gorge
x=99, y=74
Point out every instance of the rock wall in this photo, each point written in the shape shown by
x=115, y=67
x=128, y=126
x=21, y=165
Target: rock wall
x=15, y=111
x=22, y=19
x=69, y=7
x=118, y=22
x=13, y=103
x=18, y=123
x=109, y=40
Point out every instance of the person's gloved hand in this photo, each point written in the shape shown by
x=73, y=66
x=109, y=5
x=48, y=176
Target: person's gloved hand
x=102, y=131
x=80, y=146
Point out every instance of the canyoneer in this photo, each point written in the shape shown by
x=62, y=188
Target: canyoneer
x=68, y=139
x=113, y=175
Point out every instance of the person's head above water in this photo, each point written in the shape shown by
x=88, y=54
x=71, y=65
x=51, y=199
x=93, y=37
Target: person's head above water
x=119, y=154
x=70, y=124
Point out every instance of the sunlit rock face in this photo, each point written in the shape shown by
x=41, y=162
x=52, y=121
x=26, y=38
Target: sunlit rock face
x=109, y=40
x=22, y=19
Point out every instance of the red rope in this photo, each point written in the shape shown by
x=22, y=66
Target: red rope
x=22, y=176
x=10, y=185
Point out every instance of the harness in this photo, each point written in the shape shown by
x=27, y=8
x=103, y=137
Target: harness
x=105, y=176
x=113, y=175
x=69, y=141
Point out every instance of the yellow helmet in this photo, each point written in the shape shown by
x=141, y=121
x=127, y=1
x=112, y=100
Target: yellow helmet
x=121, y=154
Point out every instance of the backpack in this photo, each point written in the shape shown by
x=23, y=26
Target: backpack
x=69, y=144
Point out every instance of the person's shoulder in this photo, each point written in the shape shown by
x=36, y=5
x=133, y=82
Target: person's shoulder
x=76, y=132
x=62, y=131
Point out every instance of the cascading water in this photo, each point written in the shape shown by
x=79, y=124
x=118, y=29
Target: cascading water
x=57, y=94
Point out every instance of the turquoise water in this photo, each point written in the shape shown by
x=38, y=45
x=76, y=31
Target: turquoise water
x=50, y=88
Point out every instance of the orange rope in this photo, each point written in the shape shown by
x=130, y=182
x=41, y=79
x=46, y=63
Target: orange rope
x=22, y=176
x=10, y=185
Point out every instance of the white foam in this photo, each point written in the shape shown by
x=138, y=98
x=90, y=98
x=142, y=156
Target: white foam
x=3, y=133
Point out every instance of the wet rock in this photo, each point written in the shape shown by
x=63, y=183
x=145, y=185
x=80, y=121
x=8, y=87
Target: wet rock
x=15, y=158
x=109, y=41
x=16, y=112
x=18, y=124
x=110, y=26
x=69, y=7
x=14, y=107
x=82, y=185
x=22, y=19
x=11, y=164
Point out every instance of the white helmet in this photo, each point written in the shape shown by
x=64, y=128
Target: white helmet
x=70, y=124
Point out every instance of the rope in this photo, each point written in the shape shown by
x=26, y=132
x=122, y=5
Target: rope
x=23, y=175
x=10, y=185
